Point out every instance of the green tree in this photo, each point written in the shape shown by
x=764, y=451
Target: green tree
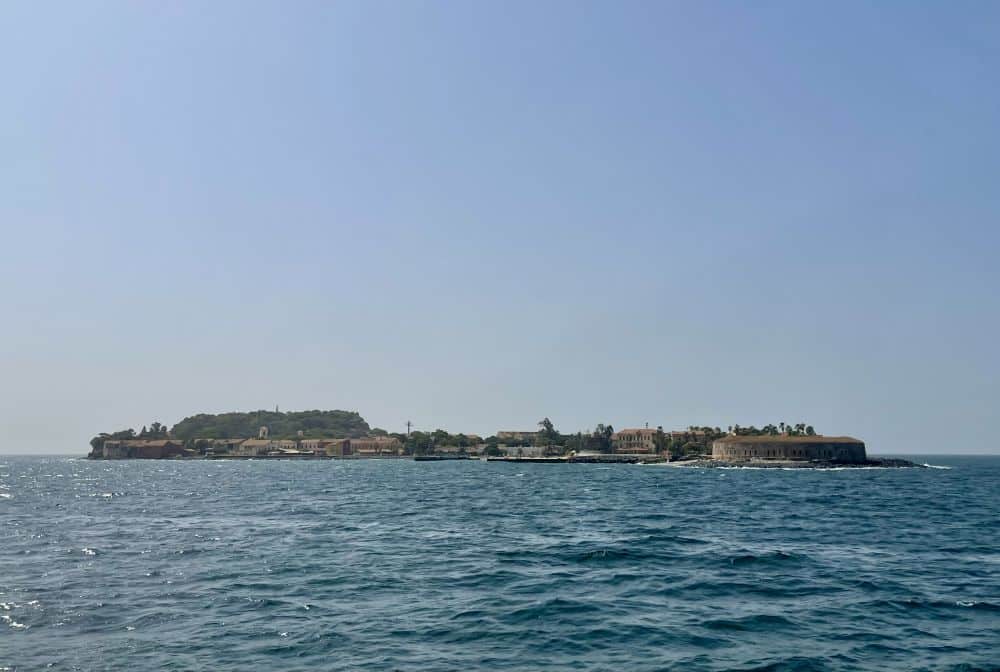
x=547, y=433
x=660, y=440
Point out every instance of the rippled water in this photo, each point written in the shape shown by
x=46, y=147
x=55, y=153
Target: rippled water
x=382, y=565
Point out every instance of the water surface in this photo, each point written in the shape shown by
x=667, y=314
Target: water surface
x=397, y=565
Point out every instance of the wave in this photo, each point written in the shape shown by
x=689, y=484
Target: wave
x=757, y=622
x=915, y=604
x=450, y=568
x=793, y=664
x=772, y=557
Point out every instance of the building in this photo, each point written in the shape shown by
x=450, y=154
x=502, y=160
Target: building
x=373, y=446
x=523, y=451
x=338, y=448
x=284, y=446
x=327, y=447
x=839, y=449
x=508, y=435
x=634, y=441
x=261, y=447
x=141, y=449
x=115, y=450
x=315, y=446
x=695, y=434
x=219, y=446
x=253, y=448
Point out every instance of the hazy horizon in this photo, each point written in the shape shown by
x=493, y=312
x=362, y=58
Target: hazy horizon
x=473, y=216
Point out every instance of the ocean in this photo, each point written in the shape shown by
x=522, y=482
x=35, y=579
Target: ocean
x=401, y=565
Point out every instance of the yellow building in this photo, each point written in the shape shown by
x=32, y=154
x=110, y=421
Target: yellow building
x=632, y=441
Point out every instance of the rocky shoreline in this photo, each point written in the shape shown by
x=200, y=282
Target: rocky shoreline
x=870, y=463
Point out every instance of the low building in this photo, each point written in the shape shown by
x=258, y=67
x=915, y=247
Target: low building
x=221, y=446
x=284, y=446
x=327, y=447
x=510, y=435
x=158, y=449
x=142, y=449
x=634, y=441
x=523, y=451
x=115, y=450
x=338, y=448
x=253, y=448
x=376, y=445
x=838, y=449
x=315, y=446
x=695, y=435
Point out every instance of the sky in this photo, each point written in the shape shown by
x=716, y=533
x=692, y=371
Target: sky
x=473, y=215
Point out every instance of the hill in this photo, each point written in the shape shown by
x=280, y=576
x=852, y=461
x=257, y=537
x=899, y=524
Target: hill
x=313, y=424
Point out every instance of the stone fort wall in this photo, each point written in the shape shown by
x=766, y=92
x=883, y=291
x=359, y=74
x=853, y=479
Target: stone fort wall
x=745, y=448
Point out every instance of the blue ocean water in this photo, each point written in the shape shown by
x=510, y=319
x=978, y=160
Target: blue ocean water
x=400, y=565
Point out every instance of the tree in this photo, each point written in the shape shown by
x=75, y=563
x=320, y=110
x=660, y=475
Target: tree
x=548, y=432
x=660, y=440
x=602, y=436
x=810, y=431
x=418, y=443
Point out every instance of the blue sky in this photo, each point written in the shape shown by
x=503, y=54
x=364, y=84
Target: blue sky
x=474, y=215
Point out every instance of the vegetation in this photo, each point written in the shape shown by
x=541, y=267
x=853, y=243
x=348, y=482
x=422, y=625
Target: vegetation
x=691, y=442
x=547, y=434
x=349, y=424
x=426, y=443
x=154, y=431
x=312, y=424
x=788, y=429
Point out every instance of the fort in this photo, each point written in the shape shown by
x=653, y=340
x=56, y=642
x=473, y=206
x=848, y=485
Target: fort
x=834, y=449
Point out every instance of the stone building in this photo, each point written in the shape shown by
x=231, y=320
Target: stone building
x=838, y=449
x=259, y=447
x=220, y=446
x=317, y=446
x=376, y=445
x=328, y=447
x=253, y=448
x=141, y=449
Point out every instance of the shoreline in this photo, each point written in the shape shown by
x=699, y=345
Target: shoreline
x=609, y=458
x=870, y=463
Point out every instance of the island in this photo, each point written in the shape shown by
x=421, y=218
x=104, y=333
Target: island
x=341, y=434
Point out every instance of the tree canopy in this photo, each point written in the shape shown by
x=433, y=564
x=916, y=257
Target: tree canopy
x=312, y=424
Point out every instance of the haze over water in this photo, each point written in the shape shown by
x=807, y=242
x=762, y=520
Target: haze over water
x=380, y=565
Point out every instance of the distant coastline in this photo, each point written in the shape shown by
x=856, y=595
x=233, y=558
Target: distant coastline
x=345, y=435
